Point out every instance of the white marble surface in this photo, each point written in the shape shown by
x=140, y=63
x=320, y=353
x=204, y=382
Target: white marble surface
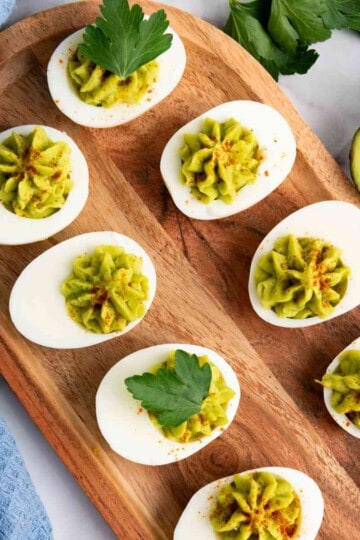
x=328, y=98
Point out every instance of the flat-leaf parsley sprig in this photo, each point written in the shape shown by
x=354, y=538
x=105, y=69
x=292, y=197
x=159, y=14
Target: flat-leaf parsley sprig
x=174, y=395
x=122, y=40
x=278, y=32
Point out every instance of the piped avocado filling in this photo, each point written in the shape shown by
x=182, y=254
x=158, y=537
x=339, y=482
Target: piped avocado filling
x=97, y=86
x=106, y=290
x=220, y=160
x=213, y=408
x=34, y=174
x=301, y=278
x=345, y=385
x=257, y=506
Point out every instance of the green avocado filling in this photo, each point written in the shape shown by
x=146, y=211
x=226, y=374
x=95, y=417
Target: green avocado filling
x=34, y=174
x=345, y=385
x=97, y=86
x=220, y=160
x=301, y=278
x=213, y=408
x=257, y=506
x=106, y=290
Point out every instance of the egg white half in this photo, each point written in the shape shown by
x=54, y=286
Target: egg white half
x=127, y=427
x=37, y=307
x=195, y=521
x=16, y=230
x=171, y=63
x=336, y=222
x=341, y=419
x=274, y=136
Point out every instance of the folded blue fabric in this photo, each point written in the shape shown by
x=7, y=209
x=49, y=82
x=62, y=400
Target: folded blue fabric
x=6, y=7
x=22, y=515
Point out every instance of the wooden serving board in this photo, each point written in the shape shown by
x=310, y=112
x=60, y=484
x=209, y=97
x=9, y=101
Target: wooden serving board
x=202, y=291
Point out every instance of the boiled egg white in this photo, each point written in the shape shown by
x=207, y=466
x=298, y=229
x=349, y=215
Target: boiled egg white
x=172, y=64
x=16, y=230
x=195, y=521
x=37, y=307
x=341, y=419
x=127, y=427
x=336, y=222
x=275, y=138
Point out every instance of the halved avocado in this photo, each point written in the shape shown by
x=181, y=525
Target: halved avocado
x=355, y=159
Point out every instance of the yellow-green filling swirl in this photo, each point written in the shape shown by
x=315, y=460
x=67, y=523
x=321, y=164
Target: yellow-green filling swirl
x=106, y=290
x=257, y=506
x=34, y=174
x=97, y=86
x=213, y=408
x=220, y=160
x=301, y=278
x=345, y=385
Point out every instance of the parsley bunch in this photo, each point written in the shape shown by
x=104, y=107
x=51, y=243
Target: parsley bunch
x=278, y=32
x=122, y=40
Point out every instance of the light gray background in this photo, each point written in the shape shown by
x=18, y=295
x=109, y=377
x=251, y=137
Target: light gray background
x=328, y=98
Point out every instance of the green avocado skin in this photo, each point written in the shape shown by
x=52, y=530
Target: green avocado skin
x=355, y=159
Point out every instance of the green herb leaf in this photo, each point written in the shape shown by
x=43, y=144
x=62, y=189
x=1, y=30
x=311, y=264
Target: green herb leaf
x=342, y=14
x=122, y=40
x=278, y=32
x=293, y=23
x=246, y=25
x=175, y=396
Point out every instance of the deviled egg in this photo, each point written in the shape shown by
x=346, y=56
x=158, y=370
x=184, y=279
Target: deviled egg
x=263, y=139
x=127, y=426
x=38, y=197
x=294, y=490
x=342, y=398
x=38, y=308
x=68, y=77
x=306, y=270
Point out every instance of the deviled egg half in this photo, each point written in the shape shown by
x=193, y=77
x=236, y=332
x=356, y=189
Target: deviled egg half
x=342, y=388
x=134, y=434
x=227, y=159
x=71, y=295
x=71, y=75
x=307, y=269
x=44, y=181
x=277, y=501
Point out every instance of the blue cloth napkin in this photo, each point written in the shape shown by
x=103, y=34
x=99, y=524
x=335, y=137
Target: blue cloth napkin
x=6, y=7
x=22, y=515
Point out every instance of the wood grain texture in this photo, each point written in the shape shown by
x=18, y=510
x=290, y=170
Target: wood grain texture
x=202, y=291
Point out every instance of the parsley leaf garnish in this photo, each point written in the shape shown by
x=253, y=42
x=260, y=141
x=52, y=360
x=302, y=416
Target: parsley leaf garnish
x=121, y=40
x=246, y=25
x=174, y=395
